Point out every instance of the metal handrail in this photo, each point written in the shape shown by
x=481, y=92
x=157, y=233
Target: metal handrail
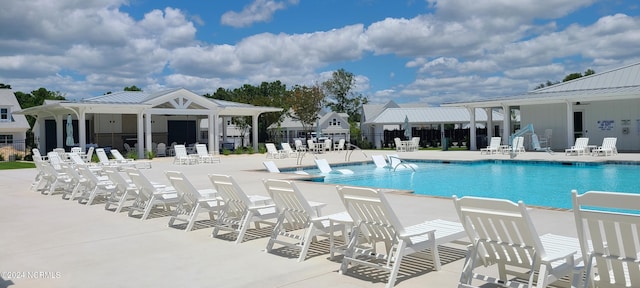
x=347, y=156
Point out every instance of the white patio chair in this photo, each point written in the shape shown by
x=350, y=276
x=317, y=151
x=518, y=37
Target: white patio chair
x=193, y=202
x=288, y=150
x=87, y=157
x=273, y=168
x=273, y=152
x=296, y=213
x=579, y=148
x=181, y=156
x=400, y=147
x=124, y=162
x=299, y=146
x=150, y=195
x=339, y=146
x=240, y=209
x=325, y=168
x=503, y=234
x=161, y=150
x=79, y=183
x=327, y=145
x=395, y=163
x=204, y=156
x=376, y=223
x=608, y=147
x=54, y=178
x=494, y=146
x=608, y=226
x=312, y=147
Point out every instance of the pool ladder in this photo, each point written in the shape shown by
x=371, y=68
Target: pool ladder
x=350, y=149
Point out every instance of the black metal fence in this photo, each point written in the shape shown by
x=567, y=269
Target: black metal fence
x=428, y=137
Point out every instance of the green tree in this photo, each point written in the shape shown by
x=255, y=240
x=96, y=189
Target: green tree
x=5, y=86
x=589, y=72
x=132, y=88
x=572, y=76
x=36, y=98
x=306, y=103
x=342, y=98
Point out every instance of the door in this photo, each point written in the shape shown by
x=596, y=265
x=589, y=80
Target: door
x=50, y=136
x=578, y=124
x=181, y=131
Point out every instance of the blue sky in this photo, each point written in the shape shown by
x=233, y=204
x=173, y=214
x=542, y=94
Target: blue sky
x=414, y=51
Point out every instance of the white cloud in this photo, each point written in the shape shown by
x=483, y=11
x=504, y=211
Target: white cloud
x=258, y=11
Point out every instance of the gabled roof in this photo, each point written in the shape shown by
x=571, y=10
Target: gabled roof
x=431, y=115
x=176, y=100
x=371, y=111
x=18, y=122
x=617, y=84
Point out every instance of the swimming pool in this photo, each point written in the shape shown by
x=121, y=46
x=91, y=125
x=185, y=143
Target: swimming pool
x=534, y=182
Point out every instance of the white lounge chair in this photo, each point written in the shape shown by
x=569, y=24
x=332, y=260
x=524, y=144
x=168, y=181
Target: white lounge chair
x=312, y=147
x=379, y=161
x=125, y=190
x=503, y=234
x=204, y=156
x=150, y=195
x=286, y=148
x=608, y=226
x=376, y=223
x=296, y=213
x=325, y=168
x=181, y=156
x=581, y=147
x=494, y=146
x=273, y=152
x=96, y=186
x=273, y=168
x=124, y=162
x=608, y=147
x=193, y=202
x=240, y=209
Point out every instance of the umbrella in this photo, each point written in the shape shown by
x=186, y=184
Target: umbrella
x=407, y=129
x=70, y=141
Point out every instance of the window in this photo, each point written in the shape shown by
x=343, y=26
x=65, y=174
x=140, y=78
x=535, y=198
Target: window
x=4, y=114
x=6, y=139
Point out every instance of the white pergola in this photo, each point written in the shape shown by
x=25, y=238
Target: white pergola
x=178, y=101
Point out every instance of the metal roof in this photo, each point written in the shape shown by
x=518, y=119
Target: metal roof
x=18, y=122
x=435, y=115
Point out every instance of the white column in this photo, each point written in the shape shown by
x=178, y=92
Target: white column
x=144, y=133
x=254, y=131
x=472, y=129
x=82, y=130
x=570, y=136
x=213, y=147
x=59, y=129
x=224, y=129
x=506, y=125
x=39, y=132
x=489, y=124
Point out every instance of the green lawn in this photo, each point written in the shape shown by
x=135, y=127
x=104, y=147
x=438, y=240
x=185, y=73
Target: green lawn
x=16, y=165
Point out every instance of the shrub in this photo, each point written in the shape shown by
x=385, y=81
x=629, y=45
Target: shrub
x=151, y=155
x=250, y=150
x=226, y=151
x=132, y=155
x=239, y=150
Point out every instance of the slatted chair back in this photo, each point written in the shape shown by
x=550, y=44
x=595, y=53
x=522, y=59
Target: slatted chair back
x=290, y=203
x=608, y=226
x=236, y=201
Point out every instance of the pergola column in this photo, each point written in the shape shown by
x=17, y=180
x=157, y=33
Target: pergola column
x=82, y=130
x=213, y=131
x=472, y=129
x=144, y=121
x=489, y=124
x=506, y=124
x=254, y=131
x=59, y=130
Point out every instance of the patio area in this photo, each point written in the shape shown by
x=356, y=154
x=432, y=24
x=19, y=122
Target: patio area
x=50, y=242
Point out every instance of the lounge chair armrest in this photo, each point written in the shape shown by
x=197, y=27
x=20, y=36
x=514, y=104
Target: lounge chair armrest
x=419, y=233
x=557, y=258
x=263, y=206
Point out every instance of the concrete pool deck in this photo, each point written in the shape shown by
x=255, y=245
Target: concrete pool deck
x=50, y=242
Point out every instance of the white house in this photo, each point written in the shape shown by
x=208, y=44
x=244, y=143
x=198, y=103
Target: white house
x=13, y=127
x=605, y=104
x=330, y=124
x=138, y=118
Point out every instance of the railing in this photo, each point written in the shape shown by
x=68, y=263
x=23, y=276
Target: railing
x=350, y=149
x=13, y=151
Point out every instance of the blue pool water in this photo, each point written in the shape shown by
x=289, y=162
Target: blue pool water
x=535, y=183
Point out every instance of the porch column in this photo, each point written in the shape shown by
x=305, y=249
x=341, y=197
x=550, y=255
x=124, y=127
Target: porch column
x=472, y=129
x=144, y=132
x=570, y=136
x=212, y=139
x=254, y=131
x=489, y=124
x=82, y=127
x=38, y=132
x=59, y=129
x=224, y=129
x=506, y=125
